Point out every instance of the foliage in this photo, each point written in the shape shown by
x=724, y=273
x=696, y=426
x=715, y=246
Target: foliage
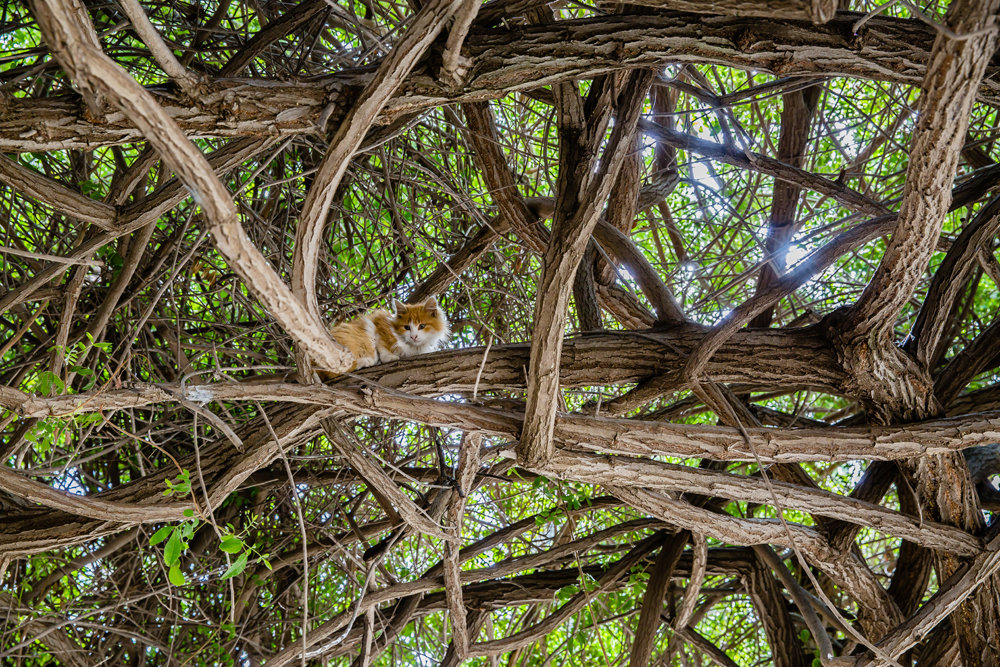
x=300, y=541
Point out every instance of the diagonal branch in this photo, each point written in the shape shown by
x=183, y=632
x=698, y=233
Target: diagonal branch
x=157, y=47
x=69, y=33
x=978, y=356
x=570, y=231
x=58, y=196
x=378, y=480
x=953, y=75
x=454, y=65
x=950, y=280
x=429, y=22
x=849, y=571
x=624, y=251
x=963, y=583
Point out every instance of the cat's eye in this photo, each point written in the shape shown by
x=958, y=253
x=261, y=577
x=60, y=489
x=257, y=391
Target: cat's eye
x=422, y=326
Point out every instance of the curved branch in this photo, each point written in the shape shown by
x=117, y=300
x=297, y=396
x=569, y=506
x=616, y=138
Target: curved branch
x=69, y=33
x=950, y=280
x=888, y=49
x=954, y=72
x=353, y=128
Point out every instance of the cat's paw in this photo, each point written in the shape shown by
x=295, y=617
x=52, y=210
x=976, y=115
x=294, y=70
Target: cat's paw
x=386, y=356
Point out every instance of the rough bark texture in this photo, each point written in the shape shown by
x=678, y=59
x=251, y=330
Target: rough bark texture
x=778, y=219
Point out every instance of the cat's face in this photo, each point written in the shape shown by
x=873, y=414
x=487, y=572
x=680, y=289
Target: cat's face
x=421, y=324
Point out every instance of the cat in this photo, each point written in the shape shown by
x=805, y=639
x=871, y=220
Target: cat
x=379, y=336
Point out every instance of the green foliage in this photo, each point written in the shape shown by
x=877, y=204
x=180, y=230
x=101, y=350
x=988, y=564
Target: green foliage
x=179, y=536
x=182, y=316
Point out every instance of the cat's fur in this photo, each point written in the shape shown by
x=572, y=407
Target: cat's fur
x=379, y=336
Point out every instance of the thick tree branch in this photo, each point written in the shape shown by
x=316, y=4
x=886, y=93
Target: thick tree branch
x=888, y=49
x=950, y=280
x=652, y=600
x=954, y=72
x=73, y=204
x=405, y=54
x=618, y=470
x=164, y=56
x=878, y=611
x=70, y=35
x=949, y=597
x=576, y=215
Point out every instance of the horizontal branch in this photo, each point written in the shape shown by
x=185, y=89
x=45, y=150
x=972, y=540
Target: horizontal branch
x=600, y=434
x=817, y=11
x=31, y=491
x=526, y=57
x=644, y=473
x=763, y=358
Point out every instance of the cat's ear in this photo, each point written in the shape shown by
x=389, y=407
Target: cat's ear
x=398, y=305
x=431, y=304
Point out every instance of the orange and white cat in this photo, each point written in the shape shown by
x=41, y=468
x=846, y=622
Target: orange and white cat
x=379, y=336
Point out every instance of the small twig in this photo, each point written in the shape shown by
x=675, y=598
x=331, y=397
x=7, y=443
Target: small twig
x=158, y=48
x=482, y=365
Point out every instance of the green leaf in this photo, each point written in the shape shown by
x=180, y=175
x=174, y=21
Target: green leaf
x=58, y=383
x=160, y=535
x=188, y=513
x=238, y=566
x=89, y=419
x=172, y=552
x=176, y=576
x=44, y=383
x=231, y=544
x=188, y=528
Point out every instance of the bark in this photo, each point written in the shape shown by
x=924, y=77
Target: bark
x=613, y=471
x=949, y=281
x=652, y=600
x=69, y=33
x=765, y=592
x=971, y=578
x=954, y=72
x=817, y=11
x=900, y=388
x=577, y=209
x=491, y=51
x=887, y=49
x=405, y=54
